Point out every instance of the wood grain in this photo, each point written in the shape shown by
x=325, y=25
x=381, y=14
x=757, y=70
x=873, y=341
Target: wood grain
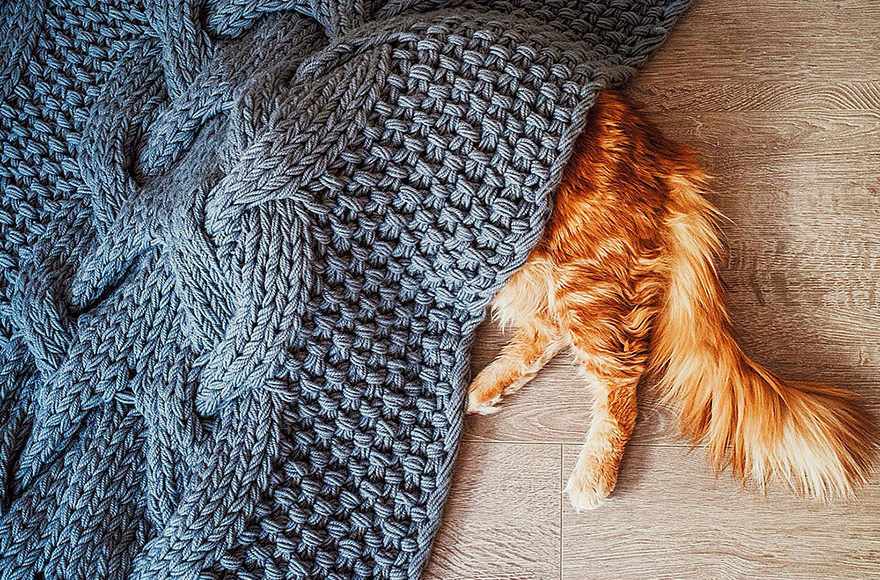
x=670, y=517
x=502, y=517
x=698, y=96
x=731, y=142
x=782, y=99
x=777, y=40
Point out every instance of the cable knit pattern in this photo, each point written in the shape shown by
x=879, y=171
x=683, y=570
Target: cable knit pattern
x=244, y=245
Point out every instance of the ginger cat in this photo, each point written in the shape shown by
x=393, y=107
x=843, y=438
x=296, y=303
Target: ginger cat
x=625, y=276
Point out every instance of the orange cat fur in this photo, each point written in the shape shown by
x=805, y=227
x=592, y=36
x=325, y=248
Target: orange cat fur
x=625, y=277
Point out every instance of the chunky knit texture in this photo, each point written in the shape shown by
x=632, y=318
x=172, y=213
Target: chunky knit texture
x=244, y=245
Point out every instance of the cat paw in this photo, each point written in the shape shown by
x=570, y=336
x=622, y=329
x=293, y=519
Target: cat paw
x=480, y=405
x=587, y=491
x=485, y=392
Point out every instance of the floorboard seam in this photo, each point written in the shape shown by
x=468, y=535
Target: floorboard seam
x=561, y=498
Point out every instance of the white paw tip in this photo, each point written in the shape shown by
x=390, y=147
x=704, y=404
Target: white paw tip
x=484, y=408
x=585, y=499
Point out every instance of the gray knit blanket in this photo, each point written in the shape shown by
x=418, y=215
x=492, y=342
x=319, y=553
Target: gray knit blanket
x=244, y=246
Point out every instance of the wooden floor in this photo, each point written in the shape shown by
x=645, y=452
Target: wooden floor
x=783, y=99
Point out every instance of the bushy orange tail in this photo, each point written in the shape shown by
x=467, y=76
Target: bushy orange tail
x=813, y=436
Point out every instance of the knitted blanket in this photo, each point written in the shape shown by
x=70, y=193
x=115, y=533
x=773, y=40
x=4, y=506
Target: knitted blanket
x=244, y=246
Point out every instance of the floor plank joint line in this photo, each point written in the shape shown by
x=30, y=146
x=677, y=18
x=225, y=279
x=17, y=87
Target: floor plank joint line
x=561, y=495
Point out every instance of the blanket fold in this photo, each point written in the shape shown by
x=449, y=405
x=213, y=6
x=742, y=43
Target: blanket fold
x=244, y=246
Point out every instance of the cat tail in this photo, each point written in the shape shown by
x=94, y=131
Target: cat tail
x=813, y=436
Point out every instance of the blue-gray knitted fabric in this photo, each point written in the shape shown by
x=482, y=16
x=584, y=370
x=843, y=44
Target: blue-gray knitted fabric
x=244, y=246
